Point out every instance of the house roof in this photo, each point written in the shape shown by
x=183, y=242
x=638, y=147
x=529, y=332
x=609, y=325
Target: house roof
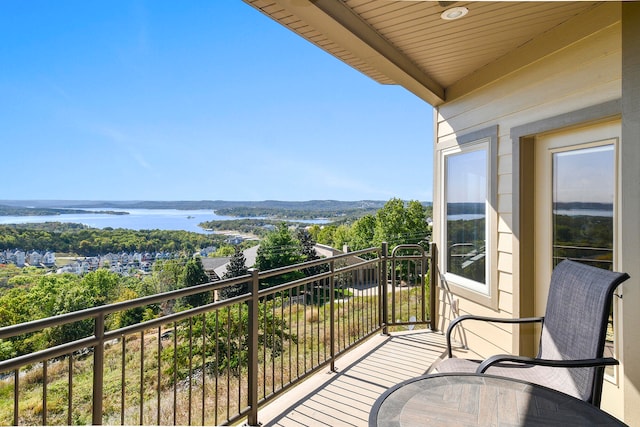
x=407, y=43
x=219, y=265
x=214, y=263
x=250, y=255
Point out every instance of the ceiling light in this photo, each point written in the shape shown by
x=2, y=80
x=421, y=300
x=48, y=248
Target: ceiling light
x=454, y=13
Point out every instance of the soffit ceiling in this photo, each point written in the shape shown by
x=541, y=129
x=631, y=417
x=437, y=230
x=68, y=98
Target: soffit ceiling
x=407, y=43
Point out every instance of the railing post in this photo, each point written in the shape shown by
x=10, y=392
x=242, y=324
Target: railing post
x=98, y=370
x=423, y=274
x=433, y=280
x=383, y=289
x=252, y=417
x=332, y=315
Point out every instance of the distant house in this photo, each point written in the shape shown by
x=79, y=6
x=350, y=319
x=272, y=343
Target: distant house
x=18, y=258
x=34, y=258
x=235, y=240
x=69, y=268
x=49, y=259
x=205, y=252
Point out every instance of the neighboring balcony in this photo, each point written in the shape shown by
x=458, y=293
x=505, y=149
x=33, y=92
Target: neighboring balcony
x=363, y=316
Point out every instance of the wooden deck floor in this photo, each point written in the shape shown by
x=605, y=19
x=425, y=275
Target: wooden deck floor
x=345, y=398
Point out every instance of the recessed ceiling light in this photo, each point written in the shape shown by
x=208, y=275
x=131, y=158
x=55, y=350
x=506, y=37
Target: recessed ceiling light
x=454, y=13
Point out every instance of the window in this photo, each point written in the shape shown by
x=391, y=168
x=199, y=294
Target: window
x=583, y=199
x=465, y=216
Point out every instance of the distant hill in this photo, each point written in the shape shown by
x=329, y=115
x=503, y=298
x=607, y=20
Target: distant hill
x=314, y=205
x=6, y=210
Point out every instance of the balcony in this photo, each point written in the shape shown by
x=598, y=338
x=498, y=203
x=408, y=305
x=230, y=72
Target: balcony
x=363, y=316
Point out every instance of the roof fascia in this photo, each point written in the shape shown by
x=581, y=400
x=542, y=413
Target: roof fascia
x=338, y=22
x=546, y=44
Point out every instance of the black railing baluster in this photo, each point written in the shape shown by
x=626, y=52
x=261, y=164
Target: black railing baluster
x=252, y=418
x=141, y=411
x=175, y=372
x=44, y=392
x=98, y=369
x=122, y=380
x=16, y=395
x=190, y=370
x=70, y=390
x=159, y=377
x=204, y=364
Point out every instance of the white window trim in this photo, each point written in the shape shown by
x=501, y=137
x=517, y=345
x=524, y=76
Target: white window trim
x=482, y=293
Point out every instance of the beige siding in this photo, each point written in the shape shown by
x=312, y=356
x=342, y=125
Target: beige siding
x=583, y=74
x=581, y=71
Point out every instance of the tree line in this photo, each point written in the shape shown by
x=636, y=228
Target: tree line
x=396, y=223
x=86, y=241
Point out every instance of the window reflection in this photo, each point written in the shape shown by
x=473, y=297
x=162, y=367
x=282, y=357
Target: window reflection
x=465, y=198
x=583, y=196
x=583, y=200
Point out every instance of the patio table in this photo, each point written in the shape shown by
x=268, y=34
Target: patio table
x=481, y=400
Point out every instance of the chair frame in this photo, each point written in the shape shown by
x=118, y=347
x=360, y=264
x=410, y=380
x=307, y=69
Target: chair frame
x=525, y=360
x=598, y=362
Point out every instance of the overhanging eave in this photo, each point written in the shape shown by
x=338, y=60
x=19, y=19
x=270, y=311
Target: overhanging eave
x=340, y=25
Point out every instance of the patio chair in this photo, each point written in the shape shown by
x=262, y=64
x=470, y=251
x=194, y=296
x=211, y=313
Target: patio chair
x=573, y=335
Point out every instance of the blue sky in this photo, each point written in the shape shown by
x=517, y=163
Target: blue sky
x=194, y=100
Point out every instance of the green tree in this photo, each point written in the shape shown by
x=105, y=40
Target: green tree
x=397, y=224
x=226, y=346
x=167, y=274
x=341, y=236
x=237, y=267
x=418, y=229
x=362, y=232
x=325, y=235
x=44, y=294
x=309, y=253
x=224, y=251
x=314, y=231
x=73, y=297
x=102, y=286
x=6, y=350
x=279, y=249
x=194, y=275
x=128, y=317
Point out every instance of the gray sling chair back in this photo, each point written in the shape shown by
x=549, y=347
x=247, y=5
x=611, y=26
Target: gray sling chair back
x=573, y=336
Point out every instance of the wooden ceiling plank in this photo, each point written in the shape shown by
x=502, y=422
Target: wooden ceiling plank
x=559, y=37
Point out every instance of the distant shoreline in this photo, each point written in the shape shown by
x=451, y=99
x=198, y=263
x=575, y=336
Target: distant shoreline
x=327, y=205
x=32, y=211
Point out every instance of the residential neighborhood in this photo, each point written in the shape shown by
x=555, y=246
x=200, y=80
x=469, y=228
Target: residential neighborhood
x=124, y=264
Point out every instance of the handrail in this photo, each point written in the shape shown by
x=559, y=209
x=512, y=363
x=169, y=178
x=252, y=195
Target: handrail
x=75, y=316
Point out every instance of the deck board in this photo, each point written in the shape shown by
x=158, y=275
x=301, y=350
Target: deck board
x=345, y=398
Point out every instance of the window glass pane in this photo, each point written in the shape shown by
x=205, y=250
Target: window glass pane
x=583, y=198
x=465, y=197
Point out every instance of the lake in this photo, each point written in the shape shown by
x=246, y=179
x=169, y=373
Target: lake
x=138, y=219
x=585, y=212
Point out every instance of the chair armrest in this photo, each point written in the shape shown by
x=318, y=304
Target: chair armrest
x=457, y=320
x=578, y=363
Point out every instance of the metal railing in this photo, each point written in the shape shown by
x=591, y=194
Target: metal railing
x=219, y=362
